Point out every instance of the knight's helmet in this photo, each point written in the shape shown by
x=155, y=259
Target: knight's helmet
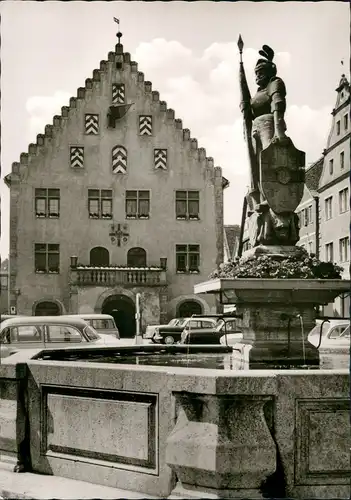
x=266, y=63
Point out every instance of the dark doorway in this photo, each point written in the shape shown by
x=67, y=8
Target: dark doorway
x=188, y=308
x=47, y=309
x=99, y=257
x=136, y=257
x=122, y=309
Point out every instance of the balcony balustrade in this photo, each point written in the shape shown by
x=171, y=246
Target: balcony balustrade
x=112, y=276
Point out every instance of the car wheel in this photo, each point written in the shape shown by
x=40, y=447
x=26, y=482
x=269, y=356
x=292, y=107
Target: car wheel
x=169, y=340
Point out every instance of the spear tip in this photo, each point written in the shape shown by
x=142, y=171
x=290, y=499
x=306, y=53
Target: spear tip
x=240, y=43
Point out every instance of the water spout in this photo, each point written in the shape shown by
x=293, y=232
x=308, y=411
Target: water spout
x=303, y=338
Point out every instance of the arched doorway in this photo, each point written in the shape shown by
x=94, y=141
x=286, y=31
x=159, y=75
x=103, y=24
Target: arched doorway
x=122, y=309
x=136, y=257
x=99, y=257
x=188, y=308
x=47, y=309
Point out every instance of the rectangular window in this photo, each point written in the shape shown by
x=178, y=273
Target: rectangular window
x=137, y=204
x=329, y=252
x=187, y=205
x=91, y=124
x=329, y=208
x=47, y=258
x=100, y=203
x=187, y=258
x=4, y=282
x=342, y=160
x=344, y=244
x=47, y=203
x=343, y=200
x=118, y=93
x=331, y=167
x=346, y=122
x=77, y=156
x=310, y=216
x=338, y=127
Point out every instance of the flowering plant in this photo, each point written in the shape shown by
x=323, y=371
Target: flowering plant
x=305, y=266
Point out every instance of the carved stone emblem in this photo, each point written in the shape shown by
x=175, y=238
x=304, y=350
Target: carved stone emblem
x=119, y=233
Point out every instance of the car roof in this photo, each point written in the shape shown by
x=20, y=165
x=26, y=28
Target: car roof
x=333, y=322
x=90, y=316
x=37, y=320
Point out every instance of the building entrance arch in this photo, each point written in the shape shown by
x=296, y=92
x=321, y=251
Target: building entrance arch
x=47, y=308
x=122, y=308
x=188, y=308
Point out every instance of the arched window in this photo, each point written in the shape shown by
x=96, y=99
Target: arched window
x=119, y=160
x=136, y=257
x=188, y=308
x=47, y=309
x=99, y=257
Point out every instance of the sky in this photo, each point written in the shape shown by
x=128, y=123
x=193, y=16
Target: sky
x=188, y=50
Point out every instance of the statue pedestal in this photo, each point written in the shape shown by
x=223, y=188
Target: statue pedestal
x=274, y=251
x=277, y=316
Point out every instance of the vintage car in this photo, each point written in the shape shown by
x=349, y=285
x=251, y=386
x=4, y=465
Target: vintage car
x=335, y=335
x=150, y=329
x=169, y=334
x=102, y=323
x=225, y=332
x=45, y=332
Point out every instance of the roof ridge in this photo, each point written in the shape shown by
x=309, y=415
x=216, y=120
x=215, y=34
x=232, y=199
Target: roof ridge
x=118, y=56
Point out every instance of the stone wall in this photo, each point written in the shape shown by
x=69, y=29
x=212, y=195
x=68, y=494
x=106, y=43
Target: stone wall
x=157, y=430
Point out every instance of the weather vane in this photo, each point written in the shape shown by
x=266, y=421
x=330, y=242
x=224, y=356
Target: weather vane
x=119, y=34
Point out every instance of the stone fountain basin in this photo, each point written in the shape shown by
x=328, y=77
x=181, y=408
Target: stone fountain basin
x=289, y=291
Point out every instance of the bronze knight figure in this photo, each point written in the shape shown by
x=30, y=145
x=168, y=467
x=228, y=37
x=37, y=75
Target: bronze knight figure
x=276, y=166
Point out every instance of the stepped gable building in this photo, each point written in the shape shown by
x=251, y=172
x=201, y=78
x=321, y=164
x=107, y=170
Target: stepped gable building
x=115, y=198
x=308, y=209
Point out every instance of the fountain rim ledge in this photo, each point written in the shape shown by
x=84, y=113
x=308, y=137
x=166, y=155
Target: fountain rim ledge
x=224, y=284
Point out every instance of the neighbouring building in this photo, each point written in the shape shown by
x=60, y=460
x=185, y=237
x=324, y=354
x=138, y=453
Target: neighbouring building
x=115, y=199
x=334, y=193
x=231, y=242
x=308, y=209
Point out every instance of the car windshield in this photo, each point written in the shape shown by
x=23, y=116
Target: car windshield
x=181, y=322
x=101, y=324
x=316, y=330
x=173, y=322
x=91, y=333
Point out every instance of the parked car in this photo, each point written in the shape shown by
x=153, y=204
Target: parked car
x=45, y=332
x=225, y=332
x=8, y=316
x=169, y=334
x=150, y=330
x=335, y=335
x=102, y=323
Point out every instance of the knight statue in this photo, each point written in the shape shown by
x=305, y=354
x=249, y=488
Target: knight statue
x=276, y=166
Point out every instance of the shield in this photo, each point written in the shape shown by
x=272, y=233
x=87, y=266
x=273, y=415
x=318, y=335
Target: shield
x=282, y=173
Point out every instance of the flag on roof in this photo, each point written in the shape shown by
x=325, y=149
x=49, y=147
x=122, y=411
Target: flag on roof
x=116, y=20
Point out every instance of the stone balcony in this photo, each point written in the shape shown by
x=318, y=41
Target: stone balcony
x=83, y=276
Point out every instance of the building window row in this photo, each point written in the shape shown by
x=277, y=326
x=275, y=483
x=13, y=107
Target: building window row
x=100, y=204
x=346, y=124
x=341, y=162
x=92, y=124
x=119, y=158
x=344, y=250
x=47, y=258
x=306, y=216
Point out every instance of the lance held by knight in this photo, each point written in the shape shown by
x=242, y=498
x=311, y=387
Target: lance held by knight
x=263, y=114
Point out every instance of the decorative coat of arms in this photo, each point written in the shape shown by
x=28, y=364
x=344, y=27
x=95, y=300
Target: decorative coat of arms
x=282, y=176
x=119, y=233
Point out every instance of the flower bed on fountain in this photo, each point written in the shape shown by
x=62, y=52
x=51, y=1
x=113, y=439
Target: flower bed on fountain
x=302, y=266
